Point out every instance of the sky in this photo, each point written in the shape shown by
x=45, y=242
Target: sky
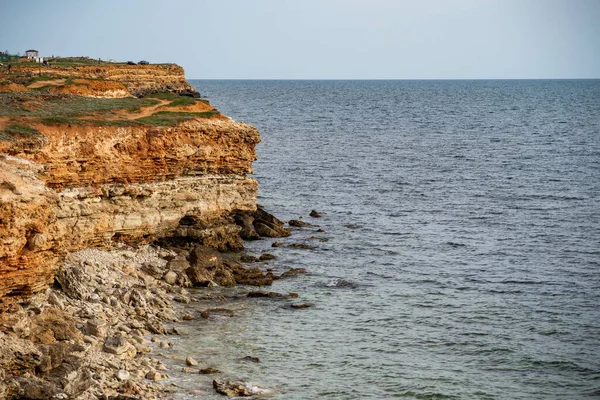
x=319, y=39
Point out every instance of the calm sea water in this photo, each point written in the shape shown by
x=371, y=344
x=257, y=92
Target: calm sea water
x=462, y=258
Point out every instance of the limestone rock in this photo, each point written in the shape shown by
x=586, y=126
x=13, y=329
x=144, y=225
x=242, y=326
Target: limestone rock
x=231, y=389
x=122, y=375
x=189, y=361
x=315, y=214
x=116, y=345
x=170, y=277
x=204, y=263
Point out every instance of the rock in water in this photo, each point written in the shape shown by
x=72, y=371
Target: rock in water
x=266, y=257
x=246, y=222
x=301, y=305
x=267, y=225
x=208, y=371
x=191, y=362
x=297, y=224
x=231, y=389
x=315, y=214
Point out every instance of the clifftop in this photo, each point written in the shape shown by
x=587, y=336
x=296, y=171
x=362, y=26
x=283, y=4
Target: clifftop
x=138, y=79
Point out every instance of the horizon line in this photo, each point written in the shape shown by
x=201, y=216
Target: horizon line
x=395, y=79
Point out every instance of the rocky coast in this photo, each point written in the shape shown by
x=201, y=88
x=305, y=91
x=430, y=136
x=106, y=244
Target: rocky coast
x=118, y=189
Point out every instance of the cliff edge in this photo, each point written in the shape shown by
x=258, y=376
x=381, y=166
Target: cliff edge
x=91, y=156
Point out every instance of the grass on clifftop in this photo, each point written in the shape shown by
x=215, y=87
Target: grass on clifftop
x=57, y=109
x=17, y=130
x=161, y=118
x=57, y=105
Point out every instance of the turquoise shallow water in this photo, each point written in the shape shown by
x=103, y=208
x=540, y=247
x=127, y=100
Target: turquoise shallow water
x=471, y=267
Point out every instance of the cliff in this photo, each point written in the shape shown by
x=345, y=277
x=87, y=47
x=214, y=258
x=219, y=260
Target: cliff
x=138, y=79
x=79, y=172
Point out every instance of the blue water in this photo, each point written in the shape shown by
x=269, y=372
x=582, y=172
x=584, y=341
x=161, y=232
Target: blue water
x=464, y=220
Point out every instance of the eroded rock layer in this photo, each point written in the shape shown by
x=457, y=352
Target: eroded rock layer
x=139, y=79
x=91, y=186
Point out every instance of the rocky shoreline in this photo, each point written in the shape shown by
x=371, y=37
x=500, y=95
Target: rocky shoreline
x=118, y=189
x=94, y=333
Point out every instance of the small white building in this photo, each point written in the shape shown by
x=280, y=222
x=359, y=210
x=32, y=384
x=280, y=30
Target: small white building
x=32, y=54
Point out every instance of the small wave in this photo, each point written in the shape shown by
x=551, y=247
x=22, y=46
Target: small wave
x=522, y=282
x=426, y=395
x=340, y=283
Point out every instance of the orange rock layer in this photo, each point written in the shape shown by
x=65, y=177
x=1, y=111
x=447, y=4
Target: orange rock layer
x=86, y=185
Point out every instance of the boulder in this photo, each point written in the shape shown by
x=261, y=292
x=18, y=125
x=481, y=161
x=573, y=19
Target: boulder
x=231, y=389
x=171, y=277
x=116, y=345
x=208, y=371
x=267, y=225
x=189, y=361
x=223, y=277
x=315, y=214
x=250, y=276
x=204, y=263
x=248, y=232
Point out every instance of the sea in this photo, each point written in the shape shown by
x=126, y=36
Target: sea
x=458, y=252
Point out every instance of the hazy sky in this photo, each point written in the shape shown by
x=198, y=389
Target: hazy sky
x=320, y=39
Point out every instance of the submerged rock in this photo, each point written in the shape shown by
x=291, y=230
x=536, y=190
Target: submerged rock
x=267, y=256
x=301, y=305
x=301, y=246
x=250, y=276
x=297, y=224
x=209, y=371
x=293, y=272
x=315, y=214
x=251, y=359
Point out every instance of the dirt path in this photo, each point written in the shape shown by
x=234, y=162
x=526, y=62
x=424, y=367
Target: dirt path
x=145, y=111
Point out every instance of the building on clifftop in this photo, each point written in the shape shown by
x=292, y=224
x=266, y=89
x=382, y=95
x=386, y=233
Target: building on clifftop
x=32, y=54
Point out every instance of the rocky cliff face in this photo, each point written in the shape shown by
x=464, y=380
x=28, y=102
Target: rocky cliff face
x=65, y=187
x=138, y=79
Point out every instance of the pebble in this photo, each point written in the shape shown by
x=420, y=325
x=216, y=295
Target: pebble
x=191, y=362
x=161, y=367
x=170, y=277
x=90, y=339
x=153, y=376
x=122, y=375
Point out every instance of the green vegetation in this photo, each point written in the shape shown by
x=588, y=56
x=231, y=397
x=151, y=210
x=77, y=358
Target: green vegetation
x=176, y=100
x=17, y=130
x=49, y=105
x=59, y=109
x=162, y=118
x=73, y=61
